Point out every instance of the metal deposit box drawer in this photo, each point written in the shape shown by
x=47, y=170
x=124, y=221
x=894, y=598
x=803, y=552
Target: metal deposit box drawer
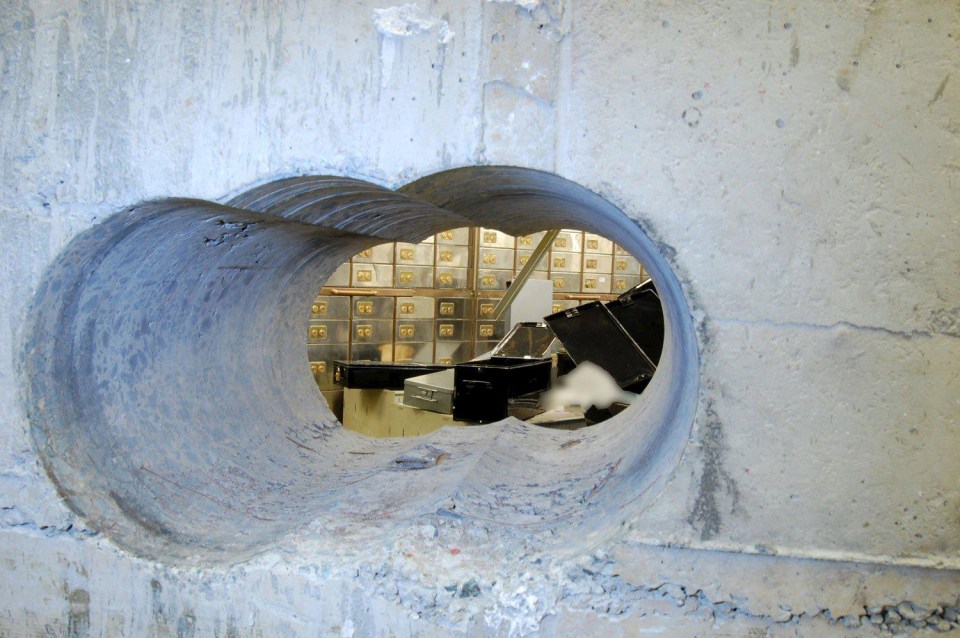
x=565, y=282
x=529, y=241
x=453, y=330
x=495, y=259
x=598, y=263
x=490, y=238
x=415, y=308
x=330, y=308
x=414, y=276
x=596, y=283
x=454, y=308
x=454, y=236
x=382, y=254
x=372, y=276
x=523, y=256
x=569, y=241
x=432, y=392
x=493, y=279
x=372, y=330
x=564, y=262
x=414, y=329
x=597, y=244
x=414, y=254
x=451, y=352
x=372, y=308
x=453, y=256
x=319, y=332
x=451, y=278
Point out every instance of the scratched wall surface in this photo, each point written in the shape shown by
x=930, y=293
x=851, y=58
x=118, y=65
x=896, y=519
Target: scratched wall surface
x=799, y=162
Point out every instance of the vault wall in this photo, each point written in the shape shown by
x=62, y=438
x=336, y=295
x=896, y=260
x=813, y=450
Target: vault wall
x=798, y=164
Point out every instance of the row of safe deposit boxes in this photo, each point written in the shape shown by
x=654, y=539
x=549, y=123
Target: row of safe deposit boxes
x=456, y=274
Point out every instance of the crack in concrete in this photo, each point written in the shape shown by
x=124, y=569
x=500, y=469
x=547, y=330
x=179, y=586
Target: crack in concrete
x=803, y=325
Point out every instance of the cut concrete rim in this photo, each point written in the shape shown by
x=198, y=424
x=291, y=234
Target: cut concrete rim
x=170, y=399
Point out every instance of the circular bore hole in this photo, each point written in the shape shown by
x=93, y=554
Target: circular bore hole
x=168, y=400
x=388, y=329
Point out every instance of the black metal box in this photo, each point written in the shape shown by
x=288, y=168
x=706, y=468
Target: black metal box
x=482, y=388
x=639, y=312
x=591, y=333
x=379, y=374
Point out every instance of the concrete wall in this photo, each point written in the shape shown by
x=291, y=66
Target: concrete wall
x=800, y=164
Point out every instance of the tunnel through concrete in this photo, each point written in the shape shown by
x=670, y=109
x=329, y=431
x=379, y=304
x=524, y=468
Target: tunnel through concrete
x=167, y=396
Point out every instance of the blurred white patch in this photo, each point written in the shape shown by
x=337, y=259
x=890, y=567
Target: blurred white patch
x=586, y=385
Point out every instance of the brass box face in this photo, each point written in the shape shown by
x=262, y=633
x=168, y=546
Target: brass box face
x=565, y=282
x=523, y=256
x=596, y=283
x=491, y=330
x=596, y=244
x=625, y=265
x=451, y=279
x=414, y=276
x=531, y=241
x=454, y=308
x=624, y=283
x=372, y=276
x=495, y=259
x=372, y=331
x=597, y=264
x=565, y=262
x=490, y=238
x=416, y=308
x=414, y=330
x=485, y=308
x=381, y=254
x=414, y=254
x=453, y=330
x=321, y=359
x=454, y=237
x=568, y=241
x=453, y=256
x=372, y=308
x=320, y=332
x=493, y=279
x=329, y=308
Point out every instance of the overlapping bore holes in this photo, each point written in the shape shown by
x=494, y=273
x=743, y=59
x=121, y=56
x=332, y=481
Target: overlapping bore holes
x=167, y=395
x=405, y=338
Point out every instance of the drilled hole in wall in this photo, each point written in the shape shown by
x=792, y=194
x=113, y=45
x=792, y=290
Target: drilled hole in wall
x=168, y=398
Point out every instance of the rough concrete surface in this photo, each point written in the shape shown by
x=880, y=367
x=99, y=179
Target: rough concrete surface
x=798, y=165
